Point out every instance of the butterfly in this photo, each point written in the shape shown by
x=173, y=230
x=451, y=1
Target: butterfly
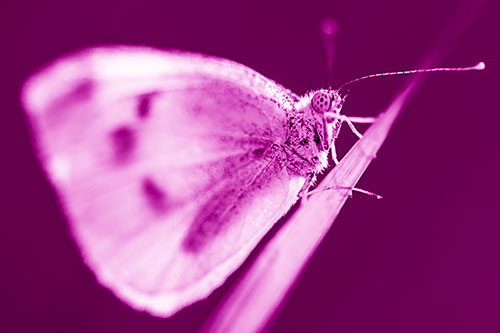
x=171, y=166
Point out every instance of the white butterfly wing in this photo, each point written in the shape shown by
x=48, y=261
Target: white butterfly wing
x=165, y=163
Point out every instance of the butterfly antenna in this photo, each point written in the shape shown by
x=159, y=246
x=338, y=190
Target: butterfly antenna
x=478, y=67
x=328, y=31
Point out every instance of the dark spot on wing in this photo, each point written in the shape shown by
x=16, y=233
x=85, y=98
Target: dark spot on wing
x=144, y=105
x=82, y=90
x=155, y=196
x=123, y=140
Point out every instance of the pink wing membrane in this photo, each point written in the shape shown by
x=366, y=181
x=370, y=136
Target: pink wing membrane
x=165, y=165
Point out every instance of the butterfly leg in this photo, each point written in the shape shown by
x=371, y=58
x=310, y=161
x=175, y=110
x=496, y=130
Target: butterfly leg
x=351, y=120
x=352, y=127
x=351, y=189
x=304, y=191
x=362, y=120
x=334, y=153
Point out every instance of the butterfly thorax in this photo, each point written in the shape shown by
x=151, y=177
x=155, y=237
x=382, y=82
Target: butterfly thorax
x=306, y=146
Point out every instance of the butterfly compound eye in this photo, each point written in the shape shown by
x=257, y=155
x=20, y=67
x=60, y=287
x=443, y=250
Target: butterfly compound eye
x=321, y=102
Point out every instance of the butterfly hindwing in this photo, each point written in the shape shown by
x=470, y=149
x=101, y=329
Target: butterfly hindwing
x=166, y=163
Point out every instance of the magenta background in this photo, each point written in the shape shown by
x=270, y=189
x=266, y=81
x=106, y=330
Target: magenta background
x=424, y=259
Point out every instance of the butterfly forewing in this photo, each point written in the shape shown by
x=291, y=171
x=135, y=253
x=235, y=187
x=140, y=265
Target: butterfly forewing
x=166, y=163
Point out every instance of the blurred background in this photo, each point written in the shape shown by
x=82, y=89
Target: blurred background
x=423, y=259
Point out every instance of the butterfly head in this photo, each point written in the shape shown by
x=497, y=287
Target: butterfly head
x=325, y=106
x=325, y=101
